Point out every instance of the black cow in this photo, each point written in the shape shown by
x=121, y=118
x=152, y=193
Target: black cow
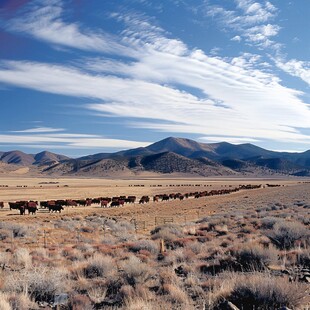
x=55, y=208
x=31, y=206
x=22, y=210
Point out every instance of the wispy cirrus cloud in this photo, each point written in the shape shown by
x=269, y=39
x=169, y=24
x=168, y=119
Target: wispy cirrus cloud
x=45, y=21
x=297, y=68
x=168, y=86
x=51, y=138
x=234, y=101
x=39, y=130
x=249, y=21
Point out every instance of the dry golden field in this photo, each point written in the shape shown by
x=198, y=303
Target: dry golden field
x=39, y=189
x=248, y=249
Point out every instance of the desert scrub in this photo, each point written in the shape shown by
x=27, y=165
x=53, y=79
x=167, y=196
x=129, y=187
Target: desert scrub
x=39, y=283
x=22, y=257
x=147, y=245
x=262, y=291
x=136, y=272
x=99, y=266
x=168, y=232
x=269, y=221
x=303, y=258
x=4, y=302
x=15, y=230
x=20, y=302
x=285, y=234
x=177, y=296
x=254, y=257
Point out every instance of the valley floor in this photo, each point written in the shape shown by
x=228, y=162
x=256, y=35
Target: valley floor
x=248, y=249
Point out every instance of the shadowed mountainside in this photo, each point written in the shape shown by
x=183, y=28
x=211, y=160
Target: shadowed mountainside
x=168, y=156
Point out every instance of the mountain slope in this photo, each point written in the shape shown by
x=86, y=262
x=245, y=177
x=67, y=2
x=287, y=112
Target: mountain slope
x=18, y=158
x=48, y=158
x=169, y=156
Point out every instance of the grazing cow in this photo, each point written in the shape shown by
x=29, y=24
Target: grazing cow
x=131, y=199
x=96, y=201
x=55, y=208
x=22, y=210
x=31, y=206
x=16, y=205
x=104, y=203
x=165, y=197
x=144, y=199
x=71, y=203
x=1, y=204
x=114, y=203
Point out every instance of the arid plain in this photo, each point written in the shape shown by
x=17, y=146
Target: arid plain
x=40, y=189
x=248, y=249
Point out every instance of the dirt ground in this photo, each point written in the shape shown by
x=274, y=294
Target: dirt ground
x=14, y=189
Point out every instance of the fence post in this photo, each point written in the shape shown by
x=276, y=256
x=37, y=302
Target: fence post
x=44, y=239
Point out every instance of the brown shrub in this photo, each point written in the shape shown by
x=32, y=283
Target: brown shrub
x=176, y=295
x=80, y=302
x=254, y=257
x=261, y=291
x=99, y=266
x=285, y=234
x=136, y=272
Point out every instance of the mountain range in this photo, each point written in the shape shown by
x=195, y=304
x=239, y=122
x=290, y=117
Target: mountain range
x=177, y=156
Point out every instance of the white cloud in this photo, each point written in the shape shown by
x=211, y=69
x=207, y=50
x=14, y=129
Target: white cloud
x=296, y=68
x=234, y=140
x=236, y=38
x=234, y=100
x=39, y=130
x=249, y=20
x=46, y=137
x=179, y=89
x=45, y=22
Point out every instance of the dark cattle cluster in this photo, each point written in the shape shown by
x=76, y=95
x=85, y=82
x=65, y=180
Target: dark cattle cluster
x=22, y=206
x=166, y=197
x=144, y=199
x=273, y=185
x=117, y=201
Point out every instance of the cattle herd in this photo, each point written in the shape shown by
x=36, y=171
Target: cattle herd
x=105, y=202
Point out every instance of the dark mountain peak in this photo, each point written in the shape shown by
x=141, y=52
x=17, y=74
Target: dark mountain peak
x=17, y=157
x=47, y=157
x=180, y=146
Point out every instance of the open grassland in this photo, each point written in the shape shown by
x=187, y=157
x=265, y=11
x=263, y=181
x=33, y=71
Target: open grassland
x=245, y=250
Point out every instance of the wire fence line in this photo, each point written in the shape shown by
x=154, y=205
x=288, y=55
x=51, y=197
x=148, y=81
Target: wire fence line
x=49, y=235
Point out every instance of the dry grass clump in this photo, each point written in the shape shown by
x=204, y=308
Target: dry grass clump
x=20, y=302
x=136, y=272
x=303, y=258
x=269, y=221
x=147, y=245
x=14, y=230
x=22, y=257
x=80, y=302
x=39, y=283
x=167, y=232
x=285, y=234
x=99, y=266
x=252, y=257
x=262, y=291
x=4, y=302
x=177, y=296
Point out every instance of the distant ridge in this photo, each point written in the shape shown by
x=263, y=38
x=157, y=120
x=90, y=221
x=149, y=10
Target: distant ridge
x=169, y=156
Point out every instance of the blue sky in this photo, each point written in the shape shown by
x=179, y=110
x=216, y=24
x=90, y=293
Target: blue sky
x=80, y=77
